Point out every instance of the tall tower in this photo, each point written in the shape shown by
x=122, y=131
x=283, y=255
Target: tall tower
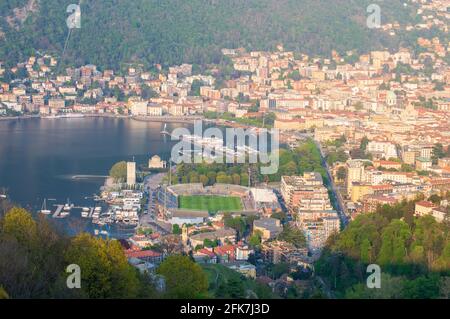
x=131, y=173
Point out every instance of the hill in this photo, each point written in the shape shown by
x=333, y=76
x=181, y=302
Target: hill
x=412, y=252
x=174, y=31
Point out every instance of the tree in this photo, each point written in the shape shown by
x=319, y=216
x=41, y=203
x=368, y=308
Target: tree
x=210, y=243
x=236, y=179
x=341, y=173
x=232, y=288
x=176, y=229
x=394, y=242
x=391, y=288
x=204, y=180
x=339, y=156
x=106, y=272
x=237, y=223
x=19, y=224
x=280, y=215
x=280, y=269
x=31, y=256
x=3, y=294
x=364, y=142
x=195, y=87
x=184, y=279
x=222, y=178
x=438, y=152
x=423, y=287
x=255, y=239
x=293, y=236
x=244, y=179
x=148, y=92
x=119, y=171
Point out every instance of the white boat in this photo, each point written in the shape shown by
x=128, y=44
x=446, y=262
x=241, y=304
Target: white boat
x=44, y=209
x=64, y=214
x=97, y=209
x=104, y=232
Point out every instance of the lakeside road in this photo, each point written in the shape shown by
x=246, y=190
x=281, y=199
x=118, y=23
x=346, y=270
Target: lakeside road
x=168, y=119
x=160, y=119
x=15, y=118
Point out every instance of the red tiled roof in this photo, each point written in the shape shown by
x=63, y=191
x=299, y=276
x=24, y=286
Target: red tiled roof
x=223, y=250
x=142, y=254
x=205, y=251
x=425, y=203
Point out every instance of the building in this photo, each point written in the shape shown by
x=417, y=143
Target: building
x=269, y=228
x=138, y=108
x=440, y=214
x=423, y=163
x=265, y=199
x=154, y=110
x=355, y=173
x=444, y=162
x=223, y=236
x=131, y=173
x=156, y=163
x=317, y=231
x=424, y=208
x=192, y=217
x=280, y=251
x=243, y=252
x=381, y=149
x=243, y=267
x=296, y=188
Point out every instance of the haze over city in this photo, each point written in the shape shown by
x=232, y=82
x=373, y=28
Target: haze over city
x=225, y=150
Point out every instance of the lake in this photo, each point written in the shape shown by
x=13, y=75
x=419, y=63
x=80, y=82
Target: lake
x=39, y=157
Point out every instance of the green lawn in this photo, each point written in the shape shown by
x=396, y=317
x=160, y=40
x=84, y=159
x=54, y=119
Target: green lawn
x=211, y=203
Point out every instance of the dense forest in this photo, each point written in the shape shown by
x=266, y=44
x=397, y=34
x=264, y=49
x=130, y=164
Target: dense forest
x=35, y=256
x=413, y=253
x=173, y=31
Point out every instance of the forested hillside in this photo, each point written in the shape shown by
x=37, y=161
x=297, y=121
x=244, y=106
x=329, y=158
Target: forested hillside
x=174, y=31
x=413, y=253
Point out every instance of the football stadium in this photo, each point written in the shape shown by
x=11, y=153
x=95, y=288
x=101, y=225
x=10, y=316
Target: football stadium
x=216, y=198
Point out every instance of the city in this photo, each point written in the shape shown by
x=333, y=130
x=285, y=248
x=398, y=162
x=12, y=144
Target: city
x=363, y=174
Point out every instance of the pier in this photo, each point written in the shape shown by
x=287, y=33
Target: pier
x=58, y=210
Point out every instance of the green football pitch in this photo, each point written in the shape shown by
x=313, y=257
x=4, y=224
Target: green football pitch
x=211, y=203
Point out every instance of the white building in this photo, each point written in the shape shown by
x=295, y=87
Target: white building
x=382, y=149
x=131, y=173
x=138, y=108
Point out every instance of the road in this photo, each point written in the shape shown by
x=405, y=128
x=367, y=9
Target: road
x=151, y=183
x=339, y=201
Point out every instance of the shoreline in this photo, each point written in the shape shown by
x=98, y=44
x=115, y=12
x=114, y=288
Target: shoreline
x=161, y=119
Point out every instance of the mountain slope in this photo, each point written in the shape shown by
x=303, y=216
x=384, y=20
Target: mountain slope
x=173, y=31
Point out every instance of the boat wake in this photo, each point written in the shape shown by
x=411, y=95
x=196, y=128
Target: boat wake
x=82, y=177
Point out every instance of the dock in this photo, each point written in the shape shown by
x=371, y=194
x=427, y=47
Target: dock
x=91, y=212
x=58, y=210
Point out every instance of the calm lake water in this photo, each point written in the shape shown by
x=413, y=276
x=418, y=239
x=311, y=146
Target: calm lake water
x=39, y=157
